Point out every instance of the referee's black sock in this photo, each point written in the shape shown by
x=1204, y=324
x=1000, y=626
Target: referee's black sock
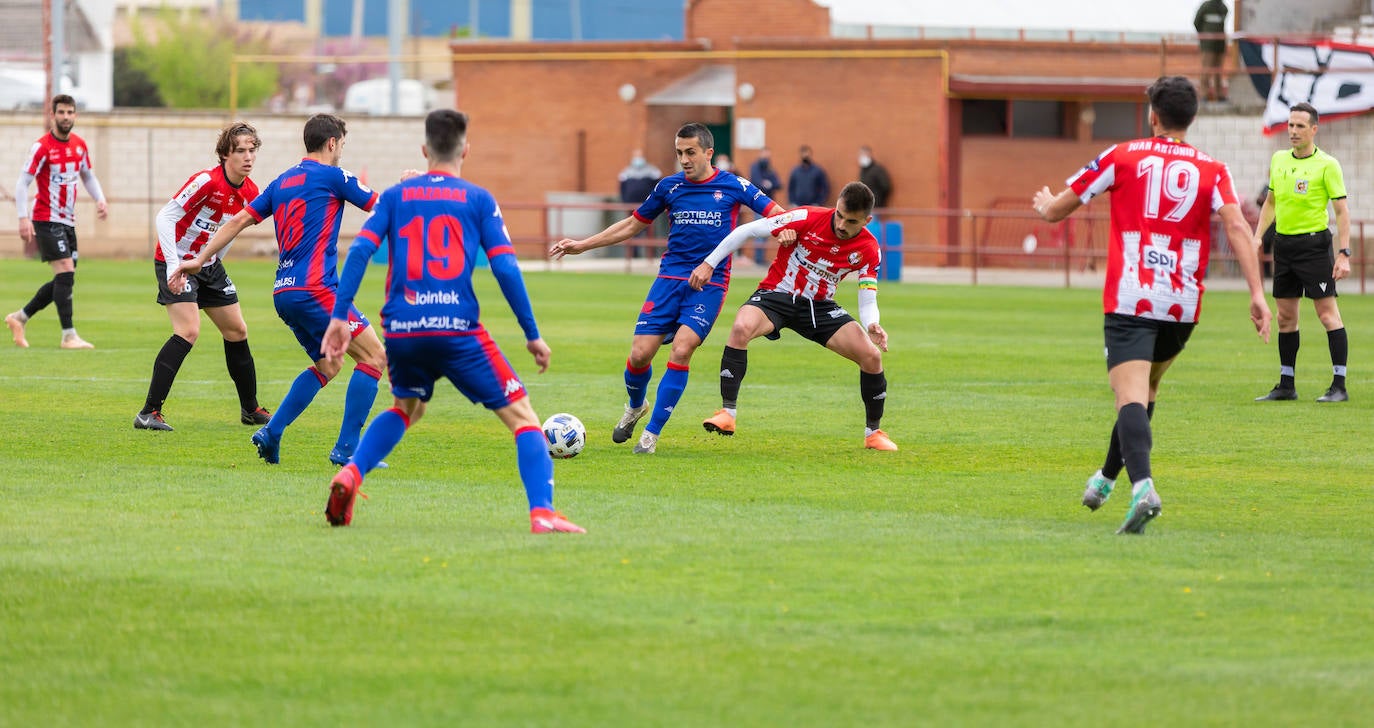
x=165, y=368
x=239, y=360
x=1133, y=427
x=1288, y=357
x=1340, y=350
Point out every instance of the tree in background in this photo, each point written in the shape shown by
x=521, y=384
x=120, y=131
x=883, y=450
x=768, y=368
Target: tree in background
x=188, y=57
x=133, y=87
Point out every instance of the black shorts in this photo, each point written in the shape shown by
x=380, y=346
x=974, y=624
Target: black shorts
x=816, y=320
x=55, y=241
x=1132, y=338
x=210, y=288
x=1302, y=265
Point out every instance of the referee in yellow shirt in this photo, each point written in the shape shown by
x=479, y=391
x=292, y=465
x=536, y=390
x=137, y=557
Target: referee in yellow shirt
x=1301, y=183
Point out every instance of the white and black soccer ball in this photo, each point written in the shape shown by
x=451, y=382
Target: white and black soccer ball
x=564, y=435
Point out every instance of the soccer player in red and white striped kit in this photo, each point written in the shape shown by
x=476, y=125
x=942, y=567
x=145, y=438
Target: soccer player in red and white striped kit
x=1163, y=194
x=56, y=162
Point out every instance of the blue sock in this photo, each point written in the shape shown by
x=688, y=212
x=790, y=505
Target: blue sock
x=637, y=383
x=302, y=392
x=381, y=436
x=669, y=392
x=536, y=467
x=362, y=392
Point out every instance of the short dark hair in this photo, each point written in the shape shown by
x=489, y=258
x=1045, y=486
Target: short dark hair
x=1309, y=108
x=445, y=131
x=857, y=197
x=698, y=131
x=230, y=134
x=63, y=99
x=320, y=128
x=1174, y=100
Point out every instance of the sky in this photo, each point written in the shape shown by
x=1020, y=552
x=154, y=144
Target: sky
x=1158, y=16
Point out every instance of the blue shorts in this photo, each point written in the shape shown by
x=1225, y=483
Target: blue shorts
x=307, y=314
x=473, y=362
x=672, y=303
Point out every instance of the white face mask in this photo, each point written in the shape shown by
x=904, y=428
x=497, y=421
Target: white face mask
x=865, y=160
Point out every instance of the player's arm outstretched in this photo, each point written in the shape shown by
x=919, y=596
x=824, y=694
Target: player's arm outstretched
x=761, y=228
x=616, y=233
x=1053, y=208
x=219, y=241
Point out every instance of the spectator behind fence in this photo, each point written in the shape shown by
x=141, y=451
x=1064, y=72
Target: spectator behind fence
x=808, y=184
x=875, y=176
x=1210, y=22
x=764, y=175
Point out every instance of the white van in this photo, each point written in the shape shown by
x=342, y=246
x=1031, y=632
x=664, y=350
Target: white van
x=374, y=97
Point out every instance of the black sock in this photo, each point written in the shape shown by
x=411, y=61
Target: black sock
x=1133, y=427
x=41, y=298
x=239, y=359
x=733, y=365
x=1288, y=356
x=165, y=368
x=1115, y=461
x=873, y=388
x=1340, y=351
x=62, y=285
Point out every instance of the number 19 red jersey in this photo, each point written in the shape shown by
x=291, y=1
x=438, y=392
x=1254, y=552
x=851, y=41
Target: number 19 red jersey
x=1163, y=195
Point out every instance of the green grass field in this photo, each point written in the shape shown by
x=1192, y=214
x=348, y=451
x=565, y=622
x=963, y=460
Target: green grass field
x=782, y=577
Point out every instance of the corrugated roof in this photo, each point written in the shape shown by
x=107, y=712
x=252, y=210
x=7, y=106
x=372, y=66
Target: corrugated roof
x=708, y=86
x=21, y=29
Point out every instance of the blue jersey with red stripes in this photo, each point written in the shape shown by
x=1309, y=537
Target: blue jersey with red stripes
x=435, y=224
x=306, y=202
x=703, y=213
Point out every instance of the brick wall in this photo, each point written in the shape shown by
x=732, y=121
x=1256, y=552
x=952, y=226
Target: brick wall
x=721, y=24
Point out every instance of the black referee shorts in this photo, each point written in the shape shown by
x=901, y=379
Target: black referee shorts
x=1302, y=265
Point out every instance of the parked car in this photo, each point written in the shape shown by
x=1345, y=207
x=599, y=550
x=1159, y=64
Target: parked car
x=25, y=89
x=374, y=97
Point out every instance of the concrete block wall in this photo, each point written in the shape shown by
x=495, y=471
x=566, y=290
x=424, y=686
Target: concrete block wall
x=142, y=159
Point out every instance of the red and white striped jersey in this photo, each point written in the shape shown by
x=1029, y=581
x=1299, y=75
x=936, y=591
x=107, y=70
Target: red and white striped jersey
x=188, y=221
x=56, y=166
x=814, y=266
x=1163, y=195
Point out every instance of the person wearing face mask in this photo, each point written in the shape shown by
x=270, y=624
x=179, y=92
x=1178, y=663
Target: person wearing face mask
x=638, y=179
x=763, y=175
x=875, y=176
x=723, y=162
x=808, y=184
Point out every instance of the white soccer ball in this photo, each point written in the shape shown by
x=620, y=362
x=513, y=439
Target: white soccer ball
x=565, y=435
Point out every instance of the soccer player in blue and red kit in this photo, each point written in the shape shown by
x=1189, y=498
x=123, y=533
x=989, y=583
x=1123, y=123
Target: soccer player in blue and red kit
x=704, y=203
x=436, y=224
x=307, y=202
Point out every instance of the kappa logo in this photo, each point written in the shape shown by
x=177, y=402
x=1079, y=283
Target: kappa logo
x=513, y=385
